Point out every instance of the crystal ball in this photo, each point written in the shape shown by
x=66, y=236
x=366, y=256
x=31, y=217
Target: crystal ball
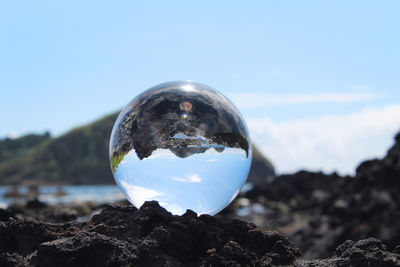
x=183, y=144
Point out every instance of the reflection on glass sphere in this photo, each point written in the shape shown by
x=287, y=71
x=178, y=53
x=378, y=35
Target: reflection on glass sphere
x=183, y=144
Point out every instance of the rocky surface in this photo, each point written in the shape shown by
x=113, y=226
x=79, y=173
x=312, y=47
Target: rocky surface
x=151, y=236
x=261, y=169
x=318, y=211
x=58, y=213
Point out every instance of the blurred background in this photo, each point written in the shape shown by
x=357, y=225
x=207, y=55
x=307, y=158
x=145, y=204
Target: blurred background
x=317, y=82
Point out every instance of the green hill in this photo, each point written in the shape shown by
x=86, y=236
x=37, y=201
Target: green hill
x=77, y=157
x=13, y=148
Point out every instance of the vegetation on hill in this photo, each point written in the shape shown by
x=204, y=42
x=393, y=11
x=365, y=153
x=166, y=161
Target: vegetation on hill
x=77, y=157
x=12, y=148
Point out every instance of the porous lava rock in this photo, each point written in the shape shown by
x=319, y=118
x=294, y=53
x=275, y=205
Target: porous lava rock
x=151, y=236
x=319, y=211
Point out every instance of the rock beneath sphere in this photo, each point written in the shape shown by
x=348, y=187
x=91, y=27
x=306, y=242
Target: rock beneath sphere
x=151, y=236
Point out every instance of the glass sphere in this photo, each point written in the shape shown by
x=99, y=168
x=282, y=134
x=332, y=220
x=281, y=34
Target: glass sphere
x=183, y=144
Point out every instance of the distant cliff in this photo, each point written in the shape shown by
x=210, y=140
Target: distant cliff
x=77, y=157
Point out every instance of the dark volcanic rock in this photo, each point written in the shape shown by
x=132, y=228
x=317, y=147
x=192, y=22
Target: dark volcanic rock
x=261, y=169
x=318, y=211
x=366, y=253
x=43, y=212
x=151, y=236
x=5, y=215
x=385, y=172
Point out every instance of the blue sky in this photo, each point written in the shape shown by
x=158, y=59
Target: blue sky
x=317, y=81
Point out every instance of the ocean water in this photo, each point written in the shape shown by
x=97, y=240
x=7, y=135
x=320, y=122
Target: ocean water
x=74, y=193
x=203, y=182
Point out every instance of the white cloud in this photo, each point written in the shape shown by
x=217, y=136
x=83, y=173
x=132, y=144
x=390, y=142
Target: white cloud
x=249, y=100
x=139, y=194
x=14, y=135
x=327, y=143
x=189, y=178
